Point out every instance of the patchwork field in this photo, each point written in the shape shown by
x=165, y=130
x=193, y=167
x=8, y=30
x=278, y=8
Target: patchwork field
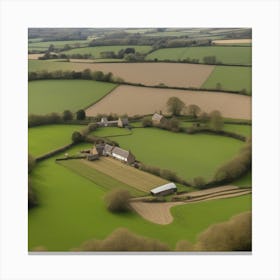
x=48, y=96
x=230, y=78
x=133, y=100
x=96, y=51
x=187, y=75
x=73, y=204
x=44, y=139
x=179, y=152
x=133, y=178
x=226, y=55
x=42, y=46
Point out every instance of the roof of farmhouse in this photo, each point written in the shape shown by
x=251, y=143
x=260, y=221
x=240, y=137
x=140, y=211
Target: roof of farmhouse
x=162, y=188
x=157, y=117
x=121, y=152
x=108, y=148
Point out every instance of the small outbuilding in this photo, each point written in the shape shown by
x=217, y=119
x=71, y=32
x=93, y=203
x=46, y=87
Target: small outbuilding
x=158, y=119
x=164, y=189
x=123, y=122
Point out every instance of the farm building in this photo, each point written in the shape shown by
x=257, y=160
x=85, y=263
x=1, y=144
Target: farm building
x=123, y=122
x=158, y=119
x=118, y=153
x=104, y=122
x=164, y=189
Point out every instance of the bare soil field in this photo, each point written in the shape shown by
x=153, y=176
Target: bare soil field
x=158, y=213
x=136, y=178
x=132, y=100
x=170, y=74
x=233, y=41
x=35, y=55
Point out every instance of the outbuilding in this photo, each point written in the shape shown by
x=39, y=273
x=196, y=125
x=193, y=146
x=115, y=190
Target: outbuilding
x=164, y=189
x=158, y=119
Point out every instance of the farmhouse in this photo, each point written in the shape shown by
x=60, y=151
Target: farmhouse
x=122, y=122
x=164, y=189
x=104, y=122
x=158, y=119
x=118, y=153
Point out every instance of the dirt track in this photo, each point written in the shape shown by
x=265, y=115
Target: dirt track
x=134, y=100
x=159, y=212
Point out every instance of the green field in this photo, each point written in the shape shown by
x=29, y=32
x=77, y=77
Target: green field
x=48, y=96
x=48, y=65
x=72, y=211
x=226, y=55
x=188, y=155
x=42, y=46
x=96, y=51
x=245, y=130
x=230, y=78
x=44, y=139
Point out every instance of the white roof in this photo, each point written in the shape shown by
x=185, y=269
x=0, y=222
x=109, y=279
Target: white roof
x=162, y=188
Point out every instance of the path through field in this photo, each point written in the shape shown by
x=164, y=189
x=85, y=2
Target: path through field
x=132, y=100
x=159, y=212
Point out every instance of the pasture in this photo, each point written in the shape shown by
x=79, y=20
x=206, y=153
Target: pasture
x=187, y=155
x=46, y=138
x=48, y=96
x=70, y=203
x=96, y=51
x=136, y=181
x=133, y=100
x=230, y=78
x=43, y=46
x=225, y=55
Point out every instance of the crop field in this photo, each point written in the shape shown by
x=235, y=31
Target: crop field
x=233, y=42
x=187, y=75
x=178, y=152
x=104, y=169
x=226, y=55
x=96, y=51
x=42, y=46
x=44, y=139
x=48, y=96
x=70, y=203
x=133, y=100
x=230, y=78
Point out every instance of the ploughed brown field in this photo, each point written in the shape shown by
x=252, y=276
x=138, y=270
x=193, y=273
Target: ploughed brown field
x=35, y=55
x=232, y=41
x=132, y=100
x=151, y=74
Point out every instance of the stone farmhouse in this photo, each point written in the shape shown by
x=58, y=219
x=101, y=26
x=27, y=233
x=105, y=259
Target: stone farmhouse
x=158, y=119
x=121, y=122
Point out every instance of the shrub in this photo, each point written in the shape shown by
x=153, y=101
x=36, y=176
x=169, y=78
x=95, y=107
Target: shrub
x=32, y=197
x=67, y=115
x=31, y=163
x=199, y=181
x=147, y=122
x=184, y=246
x=118, y=200
x=216, y=120
x=77, y=137
x=233, y=235
x=123, y=240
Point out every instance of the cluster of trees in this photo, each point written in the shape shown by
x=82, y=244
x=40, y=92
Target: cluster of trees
x=50, y=55
x=55, y=118
x=236, y=167
x=32, y=197
x=210, y=59
x=81, y=136
x=233, y=235
x=123, y=240
x=117, y=200
x=86, y=74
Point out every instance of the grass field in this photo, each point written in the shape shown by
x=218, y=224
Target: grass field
x=96, y=51
x=72, y=211
x=43, y=139
x=230, y=78
x=185, y=154
x=48, y=96
x=104, y=169
x=42, y=46
x=226, y=55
